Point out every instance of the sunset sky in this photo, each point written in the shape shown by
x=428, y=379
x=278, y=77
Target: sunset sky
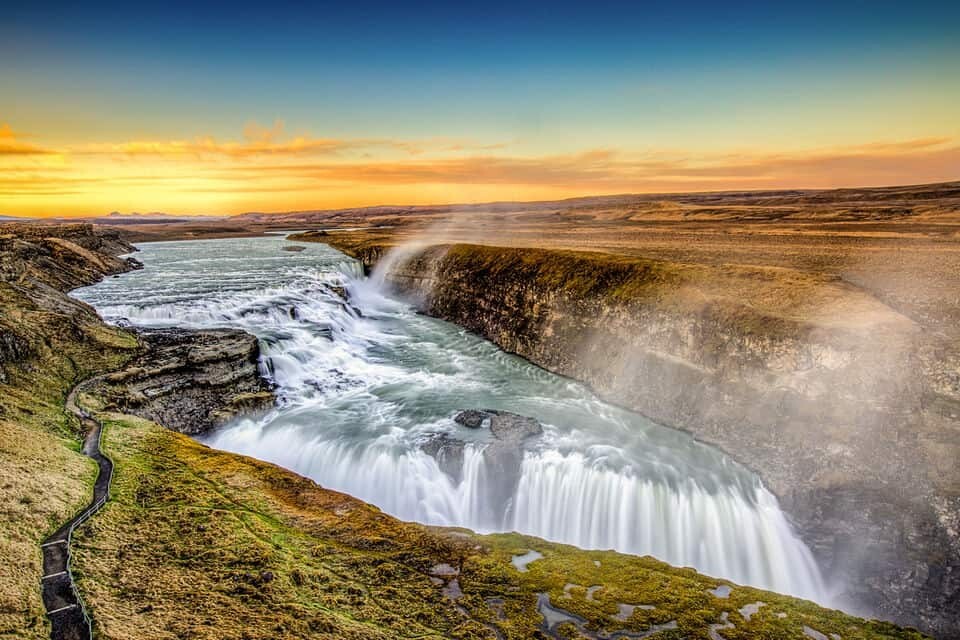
x=272, y=106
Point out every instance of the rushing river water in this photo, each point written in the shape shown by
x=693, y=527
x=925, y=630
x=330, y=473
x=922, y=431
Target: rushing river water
x=363, y=386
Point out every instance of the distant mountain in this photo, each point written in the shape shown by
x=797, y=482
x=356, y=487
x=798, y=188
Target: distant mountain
x=153, y=217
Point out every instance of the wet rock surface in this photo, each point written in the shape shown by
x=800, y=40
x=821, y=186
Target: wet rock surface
x=191, y=381
x=472, y=418
x=448, y=452
x=504, y=426
x=503, y=455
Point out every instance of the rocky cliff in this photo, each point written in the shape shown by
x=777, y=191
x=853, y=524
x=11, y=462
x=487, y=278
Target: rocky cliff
x=847, y=409
x=190, y=381
x=37, y=266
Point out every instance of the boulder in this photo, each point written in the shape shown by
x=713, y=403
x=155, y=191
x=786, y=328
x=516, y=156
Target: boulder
x=472, y=418
x=502, y=457
x=448, y=452
x=503, y=424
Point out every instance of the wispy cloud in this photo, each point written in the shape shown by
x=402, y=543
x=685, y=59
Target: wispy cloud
x=261, y=141
x=12, y=145
x=608, y=168
x=267, y=169
x=257, y=141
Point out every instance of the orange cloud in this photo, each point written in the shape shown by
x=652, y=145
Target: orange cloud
x=605, y=168
x=257, y=142
x=10, y=145
x=270, y=141
x=268, y=170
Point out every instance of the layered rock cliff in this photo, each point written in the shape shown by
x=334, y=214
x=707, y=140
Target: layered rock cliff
x=846, y=409
x=190, y=381
x=38, y=264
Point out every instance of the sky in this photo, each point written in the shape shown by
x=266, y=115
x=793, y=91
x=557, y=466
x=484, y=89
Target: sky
x=235, y=107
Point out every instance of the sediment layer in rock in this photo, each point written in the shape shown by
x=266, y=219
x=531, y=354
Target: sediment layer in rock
x=191, y=381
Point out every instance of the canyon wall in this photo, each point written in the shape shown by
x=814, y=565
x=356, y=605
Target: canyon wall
x=847, y=410
x=190, y=381
x=38, y=265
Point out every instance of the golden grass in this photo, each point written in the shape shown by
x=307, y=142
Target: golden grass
x=45, y=478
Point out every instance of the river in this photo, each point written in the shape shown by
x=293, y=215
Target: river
x=362, y=386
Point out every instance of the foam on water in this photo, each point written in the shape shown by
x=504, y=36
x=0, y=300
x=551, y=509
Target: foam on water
x=363, y=384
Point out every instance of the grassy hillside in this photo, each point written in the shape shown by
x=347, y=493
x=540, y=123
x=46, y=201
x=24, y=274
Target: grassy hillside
x=45, y=477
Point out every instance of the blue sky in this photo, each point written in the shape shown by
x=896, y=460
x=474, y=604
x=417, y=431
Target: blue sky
x=541, y=79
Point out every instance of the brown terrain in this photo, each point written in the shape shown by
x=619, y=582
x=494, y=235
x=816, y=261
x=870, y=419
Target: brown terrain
x=902, y=244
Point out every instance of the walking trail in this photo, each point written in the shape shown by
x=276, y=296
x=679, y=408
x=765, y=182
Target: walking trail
x=68, y=617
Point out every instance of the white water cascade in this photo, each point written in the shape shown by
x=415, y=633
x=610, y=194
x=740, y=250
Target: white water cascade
x=363, y=385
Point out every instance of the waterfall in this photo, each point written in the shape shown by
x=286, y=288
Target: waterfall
x=364, y=384
x=568, y=498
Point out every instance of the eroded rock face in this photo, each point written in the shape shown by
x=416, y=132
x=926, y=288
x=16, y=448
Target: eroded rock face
x=62, y=257
x=191, y=381
x=13, y=348
x=853, y=424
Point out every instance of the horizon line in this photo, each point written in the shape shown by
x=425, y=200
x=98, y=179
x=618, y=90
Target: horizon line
x=489, y=203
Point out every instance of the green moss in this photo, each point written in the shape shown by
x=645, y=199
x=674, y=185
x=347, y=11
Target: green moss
x=680, y=595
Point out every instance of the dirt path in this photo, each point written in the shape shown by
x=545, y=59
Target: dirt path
x=68, y=617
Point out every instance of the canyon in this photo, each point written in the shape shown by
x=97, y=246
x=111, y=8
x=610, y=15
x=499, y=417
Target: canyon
x=204, y=543
x=300, y=545
x=846, y=407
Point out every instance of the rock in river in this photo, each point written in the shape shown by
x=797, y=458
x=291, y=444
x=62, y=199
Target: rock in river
x=503, y=424
x=502, y=456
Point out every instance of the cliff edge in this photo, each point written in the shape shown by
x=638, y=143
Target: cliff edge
x=844, y=406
